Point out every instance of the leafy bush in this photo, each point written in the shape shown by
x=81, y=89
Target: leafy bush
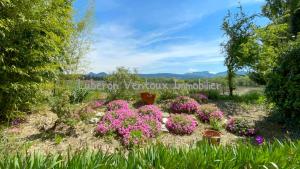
x=60, y=103
x=200, y=97
x=184, y=104
x=117, y=104
x=215, y=120
x=31, y=51
x=205, y=111
x=212, y=94
x=181, y=124
x=283, y=84
x=78, y=95
x=120, y=82
x=240, y=127
x=171, y=94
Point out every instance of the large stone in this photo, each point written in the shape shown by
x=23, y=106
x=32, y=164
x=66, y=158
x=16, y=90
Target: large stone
x=164, y=128
x=164, y=120
x=100, y=114
x=94, y=120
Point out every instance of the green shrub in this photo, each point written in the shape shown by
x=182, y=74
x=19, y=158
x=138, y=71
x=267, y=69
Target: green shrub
x=78, y=95
x=171, y=94
x=120, y=82
x=60, y=103
x=212, y=94
x=283, y=86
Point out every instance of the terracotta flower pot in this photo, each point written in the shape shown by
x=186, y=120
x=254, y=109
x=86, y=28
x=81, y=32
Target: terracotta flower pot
x=148, y=98
x=212, y=136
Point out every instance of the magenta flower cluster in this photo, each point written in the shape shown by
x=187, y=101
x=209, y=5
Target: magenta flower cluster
x=111, y=121
x=150, y=111
x=117, y=104
x=181, y=124
x=208, y=112
x=240, y=127
x=134, y=127
x=217, y=115
x=184, y=104
x=200, y=97
x=97, y=104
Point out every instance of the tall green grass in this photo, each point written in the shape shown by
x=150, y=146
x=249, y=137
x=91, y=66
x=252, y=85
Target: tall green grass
x=275, y=155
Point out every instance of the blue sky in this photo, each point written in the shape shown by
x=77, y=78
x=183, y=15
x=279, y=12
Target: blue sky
x=166, y=36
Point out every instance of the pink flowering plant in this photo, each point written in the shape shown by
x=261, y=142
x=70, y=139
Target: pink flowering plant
x=184, y=104
x=181, y=124
x=117, y=104
x=154, y=125
x=135, y=136
x=97, y=104
x=111, y=121
x=150, y=111
x=200, y=97
x=240, y=127
x=207, y=111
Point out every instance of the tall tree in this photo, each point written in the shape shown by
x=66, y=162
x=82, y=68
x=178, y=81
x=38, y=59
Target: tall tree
x=80, y=42
x=270, y=41
x=33, y=37
x=237, y=29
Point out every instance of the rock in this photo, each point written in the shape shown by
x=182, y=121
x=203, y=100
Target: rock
x=100, y=114
x=164, y=120
x=166, y=114
x=94, y=120
x=164, y=128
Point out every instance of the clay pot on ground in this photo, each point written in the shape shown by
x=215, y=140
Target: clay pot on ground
x=212, y=136
x=148, y=98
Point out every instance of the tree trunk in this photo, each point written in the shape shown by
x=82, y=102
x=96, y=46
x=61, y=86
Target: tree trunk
x=230, y=76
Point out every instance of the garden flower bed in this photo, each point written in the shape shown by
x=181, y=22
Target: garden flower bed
x=125, y=128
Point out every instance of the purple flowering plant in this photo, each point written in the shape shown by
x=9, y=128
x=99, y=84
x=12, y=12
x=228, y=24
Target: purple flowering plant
x=111, y=121
x=240, y=127
x=97, y=104
x=259, y=140
x=208, y=111
x=200, y=97
x=181, y=124
x=184, y=104
x=132, y=127
x=151, y=111
x=117, y=104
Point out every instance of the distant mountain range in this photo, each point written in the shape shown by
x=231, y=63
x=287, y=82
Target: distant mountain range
x=193, y=75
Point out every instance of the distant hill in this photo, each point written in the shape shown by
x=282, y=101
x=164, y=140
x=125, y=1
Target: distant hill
x=193, y=75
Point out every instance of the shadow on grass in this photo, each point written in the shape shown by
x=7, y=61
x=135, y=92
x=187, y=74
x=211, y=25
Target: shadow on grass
x=61, y=130
x=271, y=130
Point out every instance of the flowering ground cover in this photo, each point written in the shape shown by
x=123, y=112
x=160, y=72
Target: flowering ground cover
x=117, y=104
x=184, y=104
x=181, y=124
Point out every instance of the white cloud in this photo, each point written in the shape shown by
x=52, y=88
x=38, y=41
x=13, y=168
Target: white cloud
x=117, y=43
x=121, y=46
